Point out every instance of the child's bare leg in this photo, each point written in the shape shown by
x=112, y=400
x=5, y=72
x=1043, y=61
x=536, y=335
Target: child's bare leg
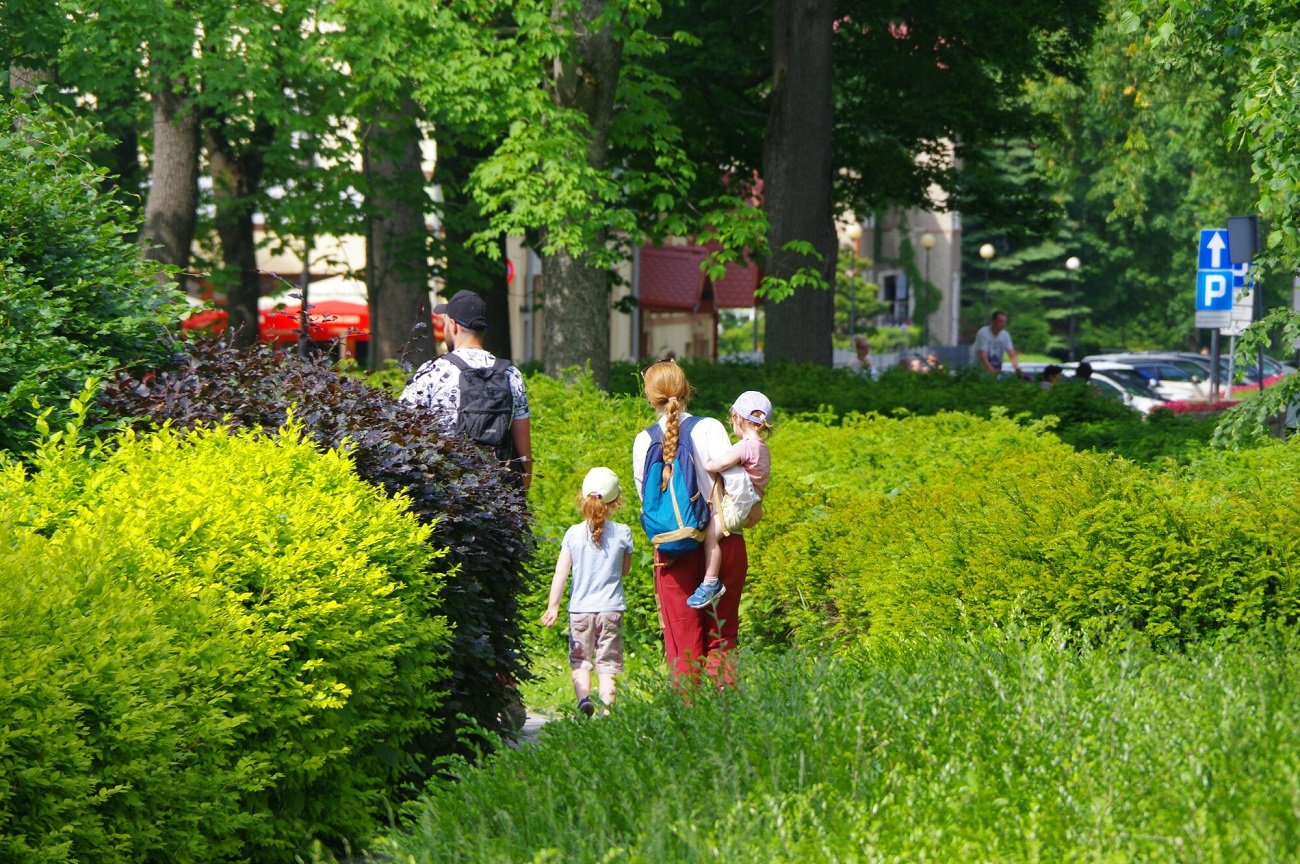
x=582, y=683
x=606, y=687
x=713, y=549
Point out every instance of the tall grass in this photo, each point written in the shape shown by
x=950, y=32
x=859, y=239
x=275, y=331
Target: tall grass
x=996, y=748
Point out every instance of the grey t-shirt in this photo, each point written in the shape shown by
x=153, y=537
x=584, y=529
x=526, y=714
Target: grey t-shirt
x=598, y=570
x=994, y=346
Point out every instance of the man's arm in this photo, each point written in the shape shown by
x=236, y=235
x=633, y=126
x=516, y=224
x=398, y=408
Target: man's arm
x=522, y=436
x=984, y=359
x=1015, y=358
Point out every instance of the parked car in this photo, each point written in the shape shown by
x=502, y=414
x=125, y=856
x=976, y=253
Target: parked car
x=1172, y=376
x=1122, y=384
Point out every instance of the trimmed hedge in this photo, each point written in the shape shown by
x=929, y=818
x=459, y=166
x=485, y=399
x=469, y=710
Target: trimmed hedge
x=218, y=648
x=882, y=528
x=473, y=508
x=1087, y=419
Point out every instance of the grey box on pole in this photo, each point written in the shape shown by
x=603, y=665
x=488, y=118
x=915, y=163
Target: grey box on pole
x=1243, y=238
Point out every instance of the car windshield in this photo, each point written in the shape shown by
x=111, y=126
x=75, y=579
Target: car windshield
x=1130, y=379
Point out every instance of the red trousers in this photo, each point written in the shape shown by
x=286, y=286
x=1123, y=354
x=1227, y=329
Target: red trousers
x=700, y=638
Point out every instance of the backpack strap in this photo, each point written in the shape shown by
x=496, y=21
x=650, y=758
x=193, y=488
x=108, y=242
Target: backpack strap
x=458, y=362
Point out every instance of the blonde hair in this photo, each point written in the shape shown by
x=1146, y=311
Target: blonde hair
x=668, y=392
x=595, y=512
x=764, y=428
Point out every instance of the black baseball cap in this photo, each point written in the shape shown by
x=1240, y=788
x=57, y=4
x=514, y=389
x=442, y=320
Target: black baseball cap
x=465, y=308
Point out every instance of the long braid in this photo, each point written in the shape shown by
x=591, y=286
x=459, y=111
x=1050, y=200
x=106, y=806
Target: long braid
x=672, y=427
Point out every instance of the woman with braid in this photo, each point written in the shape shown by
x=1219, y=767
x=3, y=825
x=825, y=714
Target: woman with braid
x=692, y=637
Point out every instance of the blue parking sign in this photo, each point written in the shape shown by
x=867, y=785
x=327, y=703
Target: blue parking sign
x=1214, y=290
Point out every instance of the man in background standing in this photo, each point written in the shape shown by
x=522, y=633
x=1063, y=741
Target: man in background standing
x=994, y=340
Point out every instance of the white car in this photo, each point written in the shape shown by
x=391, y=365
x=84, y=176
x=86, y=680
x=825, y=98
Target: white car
x=1168, y=380
x=1122, y=384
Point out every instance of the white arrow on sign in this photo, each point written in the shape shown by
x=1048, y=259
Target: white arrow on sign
x=1217, y=247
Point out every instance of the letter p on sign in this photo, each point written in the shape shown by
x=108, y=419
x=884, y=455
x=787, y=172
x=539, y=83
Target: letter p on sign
x=1214, y=290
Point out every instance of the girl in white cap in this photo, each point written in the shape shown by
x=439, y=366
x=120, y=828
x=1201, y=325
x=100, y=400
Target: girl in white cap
x=751, y=420
x=599, y=552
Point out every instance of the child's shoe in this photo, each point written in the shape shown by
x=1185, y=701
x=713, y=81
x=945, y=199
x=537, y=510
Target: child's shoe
x=708, y=593
x=585, y=706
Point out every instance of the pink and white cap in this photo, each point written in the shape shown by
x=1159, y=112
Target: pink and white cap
x=754, y=407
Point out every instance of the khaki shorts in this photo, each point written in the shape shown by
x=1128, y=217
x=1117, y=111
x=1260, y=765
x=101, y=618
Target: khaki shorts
x=596, y=641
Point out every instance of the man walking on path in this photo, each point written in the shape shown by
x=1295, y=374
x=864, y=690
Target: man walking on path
x=992, y=341
x=472, y=392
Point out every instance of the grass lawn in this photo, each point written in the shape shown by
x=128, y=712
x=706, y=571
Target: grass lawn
x=1001, y=748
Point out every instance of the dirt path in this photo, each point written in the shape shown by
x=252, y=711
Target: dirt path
x=532, y=726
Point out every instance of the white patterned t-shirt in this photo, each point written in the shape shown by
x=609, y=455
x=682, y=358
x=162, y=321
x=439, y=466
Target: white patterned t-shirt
x=436, y=385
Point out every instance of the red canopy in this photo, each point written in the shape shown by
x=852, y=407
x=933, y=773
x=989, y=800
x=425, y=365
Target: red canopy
x=329, y=319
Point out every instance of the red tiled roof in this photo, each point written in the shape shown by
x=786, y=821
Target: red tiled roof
x=736, y=289
x=671, y=278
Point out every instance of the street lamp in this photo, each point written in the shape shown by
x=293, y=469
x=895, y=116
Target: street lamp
x=854, y=233
x=1072, y=264
x=987, y=252
x=927, y=243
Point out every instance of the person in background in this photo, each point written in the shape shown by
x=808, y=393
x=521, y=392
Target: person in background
x=1049, y=376
x=598, y=551
x=1083, y=372
x=993, y=341
x=862, y=355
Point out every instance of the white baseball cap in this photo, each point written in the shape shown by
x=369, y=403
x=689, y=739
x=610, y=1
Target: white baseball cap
x=602, y=483
x=754, y=407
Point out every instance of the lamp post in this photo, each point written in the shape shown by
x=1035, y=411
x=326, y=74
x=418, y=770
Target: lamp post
x=854, y=233
x=987, y=252
x=927, y=243
x=1072, y=264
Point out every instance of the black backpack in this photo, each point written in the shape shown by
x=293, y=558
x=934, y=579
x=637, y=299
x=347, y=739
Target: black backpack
x=487, y=408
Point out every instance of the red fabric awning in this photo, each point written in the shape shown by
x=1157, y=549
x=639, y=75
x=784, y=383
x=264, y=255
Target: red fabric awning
x=329, y=319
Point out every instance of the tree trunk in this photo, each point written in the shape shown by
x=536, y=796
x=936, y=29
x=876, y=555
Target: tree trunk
x=797, y=175
x=171, y=207
x=397, y=242
x=576, y=294
x=236, y=180
x=23, y=79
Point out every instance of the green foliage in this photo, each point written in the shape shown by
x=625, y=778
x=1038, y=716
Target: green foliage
x=76, y=299
x=1086, y=419
x=846, y=486
x=473, y=507
x=1000, y=748
x=938, y=524
x=218, y=647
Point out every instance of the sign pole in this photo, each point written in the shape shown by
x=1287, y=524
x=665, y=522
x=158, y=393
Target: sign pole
x=1214, y=364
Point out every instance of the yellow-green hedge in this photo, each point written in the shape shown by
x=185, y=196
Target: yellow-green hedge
x=213, y=647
